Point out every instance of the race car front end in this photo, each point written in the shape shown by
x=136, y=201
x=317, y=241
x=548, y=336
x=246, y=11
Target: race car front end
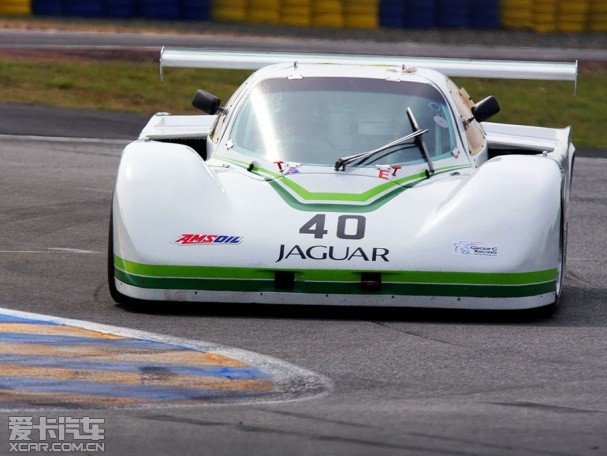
x=220, y=231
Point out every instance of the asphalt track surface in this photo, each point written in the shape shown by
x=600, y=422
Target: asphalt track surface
x=403, y=381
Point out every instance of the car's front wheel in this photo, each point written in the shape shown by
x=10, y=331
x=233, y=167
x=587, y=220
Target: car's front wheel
x=111, y=280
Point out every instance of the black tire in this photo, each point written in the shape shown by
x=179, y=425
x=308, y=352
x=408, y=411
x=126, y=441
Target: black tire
x=561, y=275
x=563, y=243
x=118, y=297
x=560, y=280
x=550, y=309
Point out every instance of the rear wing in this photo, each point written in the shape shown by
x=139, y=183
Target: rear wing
x=501, y=69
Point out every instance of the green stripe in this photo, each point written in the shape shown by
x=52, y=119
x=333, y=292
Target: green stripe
x=426, y=283
x=327, y=207
x=402, y=289
x=207, y=272
x=348, y=197
x=213, y=272
x=336, y=197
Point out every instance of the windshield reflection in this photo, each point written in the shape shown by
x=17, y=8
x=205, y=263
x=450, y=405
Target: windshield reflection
x=316, y=120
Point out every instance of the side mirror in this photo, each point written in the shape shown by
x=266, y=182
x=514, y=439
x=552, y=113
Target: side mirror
x=485, y=109
x=206, y=102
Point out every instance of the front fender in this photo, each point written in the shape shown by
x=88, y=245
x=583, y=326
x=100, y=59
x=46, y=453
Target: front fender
x=513, y=203
x=155, y=182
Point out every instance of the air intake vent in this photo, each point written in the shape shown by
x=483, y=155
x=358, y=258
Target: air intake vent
x=370, y=281
x=284, y=280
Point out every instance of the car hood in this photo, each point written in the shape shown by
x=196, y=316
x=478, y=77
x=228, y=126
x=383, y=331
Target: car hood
x=353, y=189
x=178, y=209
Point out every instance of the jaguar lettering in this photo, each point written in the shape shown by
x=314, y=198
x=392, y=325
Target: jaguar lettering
x=324, y=252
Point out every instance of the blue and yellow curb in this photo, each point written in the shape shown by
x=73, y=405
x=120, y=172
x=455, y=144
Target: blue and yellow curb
x=47, y=361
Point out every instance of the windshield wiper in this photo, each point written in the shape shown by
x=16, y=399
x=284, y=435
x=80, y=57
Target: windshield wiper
x=343, y=161
x=416, y=135
x=419, y=140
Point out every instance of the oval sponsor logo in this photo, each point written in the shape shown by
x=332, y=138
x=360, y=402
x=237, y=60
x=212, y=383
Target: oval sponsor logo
x=475, y=248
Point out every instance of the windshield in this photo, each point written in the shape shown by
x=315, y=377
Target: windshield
x=317, y=120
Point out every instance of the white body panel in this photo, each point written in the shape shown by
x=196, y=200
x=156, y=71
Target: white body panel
x=164, y=125
x=418, y=227
x=336, y=299
x=480, y=233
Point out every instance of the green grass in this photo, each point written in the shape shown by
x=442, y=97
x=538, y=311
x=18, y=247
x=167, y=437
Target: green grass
x=114, y=86
x=136, y=87
x=551, y=104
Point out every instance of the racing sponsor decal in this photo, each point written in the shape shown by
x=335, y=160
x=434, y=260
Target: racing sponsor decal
x=385, y=171
x=324, y=252
x=291, y=170
x=208, y=239
x=475, y=248
x=288, y=168
x=384, y=174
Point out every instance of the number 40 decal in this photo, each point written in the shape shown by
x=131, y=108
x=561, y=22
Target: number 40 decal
x=348, y=226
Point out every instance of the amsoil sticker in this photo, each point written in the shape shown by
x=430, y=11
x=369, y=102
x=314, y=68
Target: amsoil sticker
x=475, y=248
x=207, y=239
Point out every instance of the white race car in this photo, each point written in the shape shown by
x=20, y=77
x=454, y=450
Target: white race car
x=371, y=181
